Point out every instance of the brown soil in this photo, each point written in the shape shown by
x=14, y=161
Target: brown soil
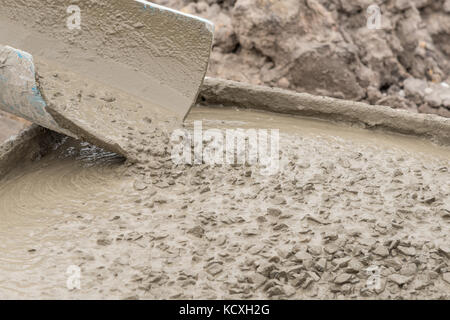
x=324, y=47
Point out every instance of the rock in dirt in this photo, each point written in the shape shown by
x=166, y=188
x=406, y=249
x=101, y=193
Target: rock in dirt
x=343, y=278
x=445, y=250
x=409, y=251
x=446, y=277
x=139, y=185
x=381, y=251
x=399, y=279
x=275, y=212
x=197, y=231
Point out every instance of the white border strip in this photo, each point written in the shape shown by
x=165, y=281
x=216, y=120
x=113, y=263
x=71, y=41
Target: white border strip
x=209, y=25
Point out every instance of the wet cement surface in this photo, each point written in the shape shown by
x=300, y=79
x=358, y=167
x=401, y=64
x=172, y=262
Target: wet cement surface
x=343, y=201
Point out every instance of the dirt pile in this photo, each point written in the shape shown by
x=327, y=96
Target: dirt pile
x=325, y=48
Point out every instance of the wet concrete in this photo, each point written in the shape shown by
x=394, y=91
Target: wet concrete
x=345, y=199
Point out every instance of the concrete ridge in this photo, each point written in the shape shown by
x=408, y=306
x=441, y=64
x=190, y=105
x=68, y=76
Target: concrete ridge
x=220, y=92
